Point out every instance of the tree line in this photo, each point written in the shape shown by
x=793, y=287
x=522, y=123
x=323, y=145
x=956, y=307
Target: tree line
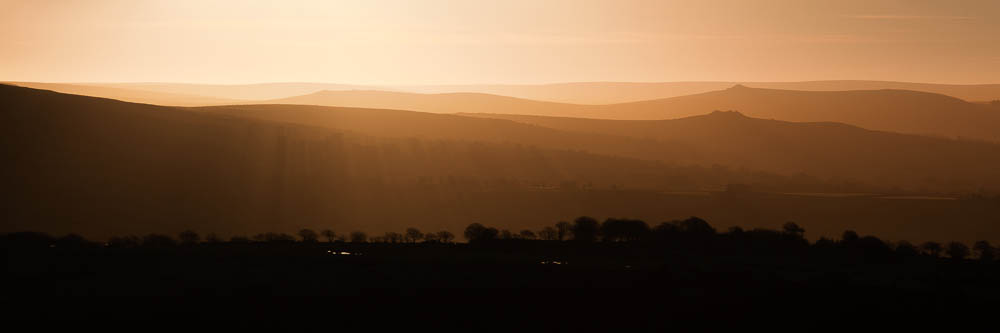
x=691, y=233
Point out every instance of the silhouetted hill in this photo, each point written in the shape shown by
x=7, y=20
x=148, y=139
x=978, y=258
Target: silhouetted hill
x=130, y=94
x=571, y=92
x=624, y=92
x=437, y=103
x=100, y=166
x=888, y=110
x=825, y=150
x=256, y=91
x=821, y=149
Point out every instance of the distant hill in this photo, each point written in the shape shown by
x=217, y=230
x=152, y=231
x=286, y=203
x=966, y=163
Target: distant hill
x=129, y=94
x=822, y=149
x=623, y=92
x=889, y=110
x=437, y=103
x=572, y=92
x=256, y=91
x=102, y=167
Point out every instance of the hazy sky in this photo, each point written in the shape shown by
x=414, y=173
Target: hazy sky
x=504, y=41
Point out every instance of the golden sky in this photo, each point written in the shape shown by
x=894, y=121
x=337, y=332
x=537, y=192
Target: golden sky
x=510, y=41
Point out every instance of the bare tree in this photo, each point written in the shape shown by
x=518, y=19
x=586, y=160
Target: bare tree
x=791, y=228
x=527, y=234
x=958, y=250
x=548, y=233
x=213, y=238
x=188, y=237
x=932, y=248
x=984, y=250
x=393, y=237
x=308, y=236
x=329, y=234
x=477, y=232
x=413, y=235
x=563, y=229
x=586, y=229
x=445, y=236
x=359, y=237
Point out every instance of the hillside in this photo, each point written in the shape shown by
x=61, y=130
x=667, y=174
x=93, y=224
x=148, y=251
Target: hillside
x=887, y=110
x=100, y=166
x=437, y=103
x=255, y=91
x=822, y=149
x=129, y=94
x=625, y=92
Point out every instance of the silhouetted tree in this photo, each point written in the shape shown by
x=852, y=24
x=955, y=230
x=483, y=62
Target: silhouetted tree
x=71, y=241
x=932, y=248
x=329, y=234
x=477, y=232
x=188, y=237
x=624, y=230
x=272, y=237
x=213, y=238
x=793, y=229
x=958, y=250
x=239, y=239
x=124, y=241
x=308, y=236
x=585, y=229
x=695, y=225
x=527, y=234
x=430, y=237
x=824, y=243
x=984, y=250
x=506, y=234
x=849, y=236
x=358, y=237
x=393, y=237
x=904, y=248
x=413, y=235
x=563, y=229
x=28, y=239
x=158, y=241
x=445, y=236
x=548, y=233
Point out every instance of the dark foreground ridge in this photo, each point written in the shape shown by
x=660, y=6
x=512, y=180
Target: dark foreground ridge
x=686, y=262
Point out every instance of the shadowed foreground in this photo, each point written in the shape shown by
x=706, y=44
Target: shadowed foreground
x=686, y=264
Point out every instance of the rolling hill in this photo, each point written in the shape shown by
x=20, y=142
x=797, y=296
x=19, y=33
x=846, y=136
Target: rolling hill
x=129, y=94
x=572, y=92
x=821, y=149
x=101, y=167
x=888, y=110
x=624, y=92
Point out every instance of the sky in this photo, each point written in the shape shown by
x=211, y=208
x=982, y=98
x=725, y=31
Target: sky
x=510, y=41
